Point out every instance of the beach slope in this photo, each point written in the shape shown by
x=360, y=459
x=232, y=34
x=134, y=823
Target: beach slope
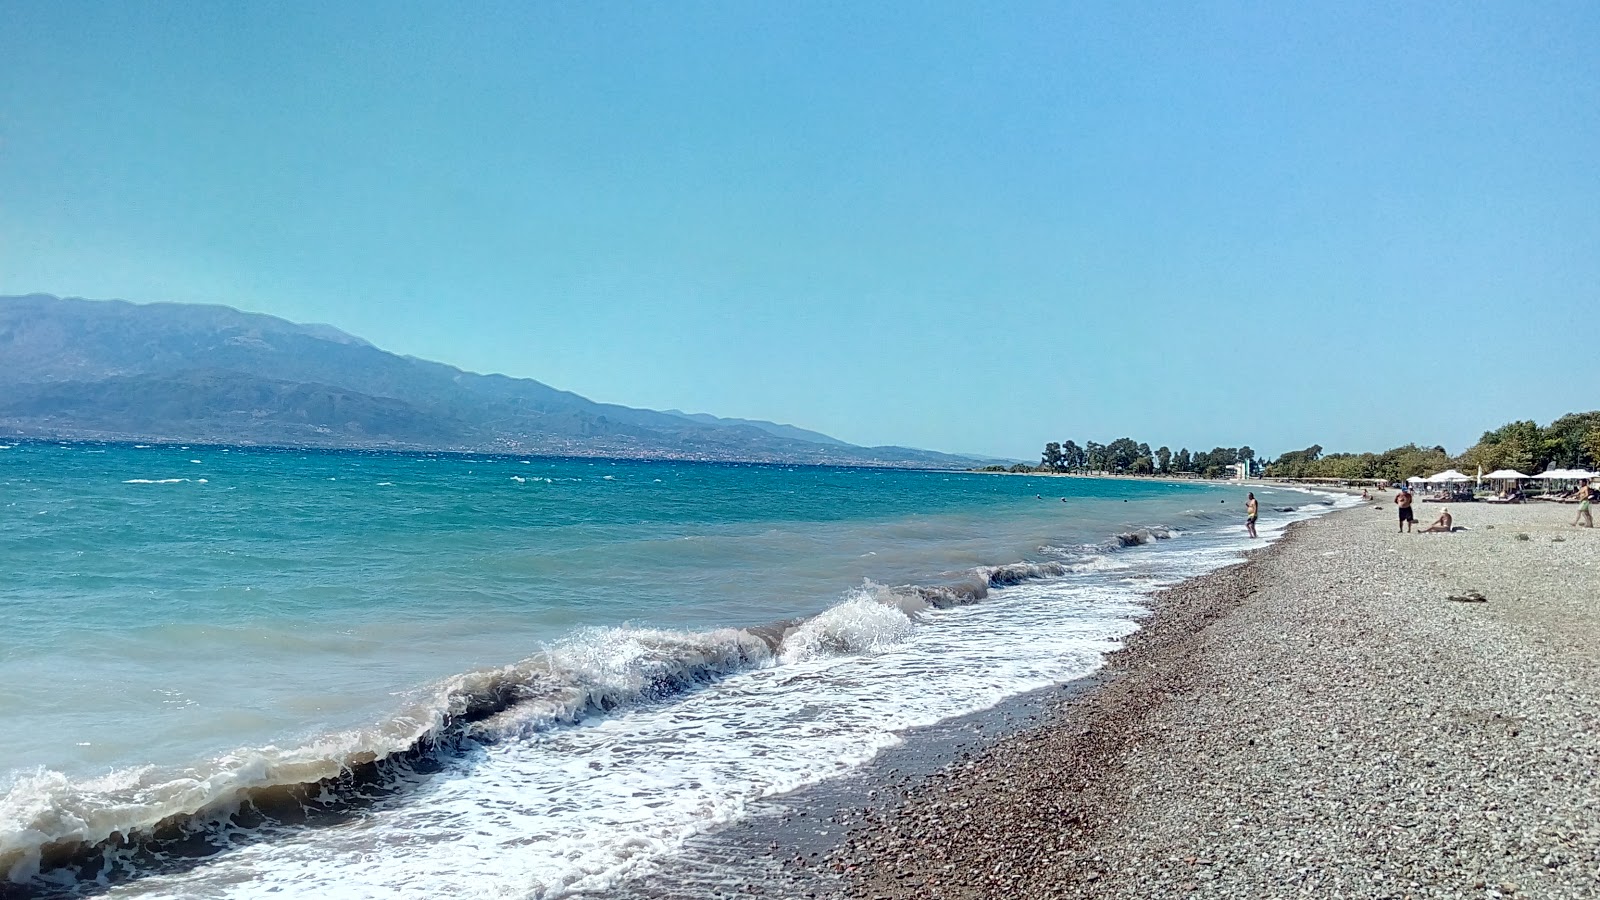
x=1337, y=717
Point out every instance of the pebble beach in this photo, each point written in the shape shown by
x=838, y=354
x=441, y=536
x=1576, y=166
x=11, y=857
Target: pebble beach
x=1352, y=712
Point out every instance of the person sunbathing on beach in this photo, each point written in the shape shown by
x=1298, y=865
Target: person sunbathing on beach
x=1440, y=525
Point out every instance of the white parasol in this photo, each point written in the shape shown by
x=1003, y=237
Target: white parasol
x=1504, y=474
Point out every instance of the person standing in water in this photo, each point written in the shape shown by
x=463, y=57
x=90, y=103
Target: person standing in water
x=1403, y=500
x=1251, y=509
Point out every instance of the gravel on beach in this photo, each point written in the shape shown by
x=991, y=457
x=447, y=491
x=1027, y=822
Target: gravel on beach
x=1323, y=720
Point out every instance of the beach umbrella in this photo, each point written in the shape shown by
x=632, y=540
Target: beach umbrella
x=1446, y=476
x=1417, y=479
x=1552, y=474
x=1504, y=474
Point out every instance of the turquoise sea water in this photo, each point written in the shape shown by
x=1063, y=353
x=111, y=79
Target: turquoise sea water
x=495, y=676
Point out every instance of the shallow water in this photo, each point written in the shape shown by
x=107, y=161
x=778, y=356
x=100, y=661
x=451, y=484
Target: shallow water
x=514, y=677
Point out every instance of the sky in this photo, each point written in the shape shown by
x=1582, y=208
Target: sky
x=971, y=227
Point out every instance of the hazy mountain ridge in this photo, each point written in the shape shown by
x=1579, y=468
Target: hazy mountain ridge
x=73, y=368
x=781, y=430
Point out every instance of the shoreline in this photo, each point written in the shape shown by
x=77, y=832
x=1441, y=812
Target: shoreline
x=1054, y=773
x=808, y=843
x=1320, y=720
x=1258, y=482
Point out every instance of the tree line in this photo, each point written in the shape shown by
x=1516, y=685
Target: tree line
x=1124, y=456
x=1570, y=442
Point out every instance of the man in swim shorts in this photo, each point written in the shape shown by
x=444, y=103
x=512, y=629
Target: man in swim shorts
x=1585, y=517
x=1403, y=500
x=1250, y=512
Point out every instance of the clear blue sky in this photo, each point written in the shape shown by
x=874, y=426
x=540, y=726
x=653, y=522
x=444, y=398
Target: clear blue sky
x=969, y=227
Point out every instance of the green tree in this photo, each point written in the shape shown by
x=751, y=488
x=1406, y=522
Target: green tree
x=1164, y=459
x=1095, y=456
x=1295, y=463
x=1515, y=445
x=1072, y=456
x=1568, y=438
x=1051, y=460
x=1183, y=462
x=1121, y=453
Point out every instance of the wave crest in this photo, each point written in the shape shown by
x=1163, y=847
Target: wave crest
x=870, y=621
x=55, y=831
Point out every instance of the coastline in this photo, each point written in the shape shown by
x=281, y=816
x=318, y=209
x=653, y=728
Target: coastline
x=805, y=843
x=1039, y=794
x=1320, y=719
x=1334, y=485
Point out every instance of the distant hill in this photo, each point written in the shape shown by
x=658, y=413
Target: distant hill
x=73, y=368
x=787, y=431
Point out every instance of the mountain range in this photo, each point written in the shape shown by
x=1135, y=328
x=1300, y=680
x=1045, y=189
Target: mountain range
x=113, y=370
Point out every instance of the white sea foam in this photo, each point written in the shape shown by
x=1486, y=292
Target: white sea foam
x=861, y=624
x=579, y=809
x=607, y=751
x=155, y=481
x=1100, y=562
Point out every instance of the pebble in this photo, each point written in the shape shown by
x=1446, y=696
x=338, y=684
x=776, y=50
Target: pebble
x=1320, y=721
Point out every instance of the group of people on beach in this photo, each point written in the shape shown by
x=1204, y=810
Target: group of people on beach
x=1444, y=523
x=1408, y=518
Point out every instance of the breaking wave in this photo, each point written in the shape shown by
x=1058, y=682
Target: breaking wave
x=57, y=832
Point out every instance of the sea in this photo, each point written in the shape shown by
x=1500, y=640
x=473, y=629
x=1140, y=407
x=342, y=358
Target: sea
x=239, y=672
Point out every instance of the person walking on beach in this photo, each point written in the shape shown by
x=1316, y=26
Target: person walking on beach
x=1403, y=500
x=1250, y=511
x=1585, y=517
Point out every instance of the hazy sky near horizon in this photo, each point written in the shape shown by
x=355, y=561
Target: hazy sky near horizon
x=969, y=227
